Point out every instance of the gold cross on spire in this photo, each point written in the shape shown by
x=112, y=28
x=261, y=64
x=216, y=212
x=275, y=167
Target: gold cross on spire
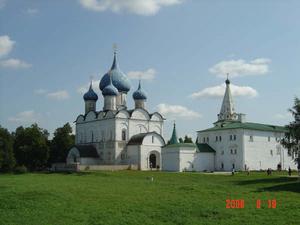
x=115, y=47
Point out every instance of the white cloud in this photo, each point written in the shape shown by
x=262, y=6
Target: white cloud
x=139, y=7
x=148, y=74
x=84, y=88
x=28, y=116
x=283, y=116
x=14, y=64
x=238, y=68
x=177, y=111
x=59, y=95
x=31, y=11
x=40, y=91
x=218, y=92
x=6, y=44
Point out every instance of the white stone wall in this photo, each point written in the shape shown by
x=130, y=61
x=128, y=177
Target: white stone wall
x=105, y=132
x=204, y=161
x=187, y=159
x=170, y=159
x=228, y=152
x=263, y=151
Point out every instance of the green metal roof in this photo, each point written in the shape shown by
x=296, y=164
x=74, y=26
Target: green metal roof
x=246, y=125
x=205, y=148
x=199, y=147
x=191, y=145
x=174, y=139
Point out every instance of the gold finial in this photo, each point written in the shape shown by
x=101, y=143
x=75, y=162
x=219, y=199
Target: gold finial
x=91, y=78
x=115, y=48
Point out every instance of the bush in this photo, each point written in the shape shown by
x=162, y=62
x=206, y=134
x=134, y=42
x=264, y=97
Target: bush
x=21, y=169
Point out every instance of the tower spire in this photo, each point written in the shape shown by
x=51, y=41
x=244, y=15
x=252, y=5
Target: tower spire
x=174, y=139
x=115, y=63
x=227, y=111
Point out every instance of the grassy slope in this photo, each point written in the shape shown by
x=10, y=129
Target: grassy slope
x=128, y=197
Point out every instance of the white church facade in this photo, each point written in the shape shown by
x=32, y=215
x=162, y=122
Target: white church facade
x=117, y=135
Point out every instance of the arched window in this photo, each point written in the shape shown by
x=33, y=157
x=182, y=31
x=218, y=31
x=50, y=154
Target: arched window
x=124, y=135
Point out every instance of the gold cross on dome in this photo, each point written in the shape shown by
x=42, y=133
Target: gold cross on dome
x=115, y=47
x=91, y=78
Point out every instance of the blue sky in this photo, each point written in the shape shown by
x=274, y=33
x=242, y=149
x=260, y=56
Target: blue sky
x=182, y=49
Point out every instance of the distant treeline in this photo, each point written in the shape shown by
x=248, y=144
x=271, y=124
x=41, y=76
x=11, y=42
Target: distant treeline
x=30, y=149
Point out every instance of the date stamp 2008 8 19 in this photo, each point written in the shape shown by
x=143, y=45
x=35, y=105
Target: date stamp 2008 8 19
x=240, y=203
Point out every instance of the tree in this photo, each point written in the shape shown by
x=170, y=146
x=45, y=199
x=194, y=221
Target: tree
x=62, y=141
x=180, y=140
x=31, y=147
x=187, y=139
x=292, y=138
x=7, y=159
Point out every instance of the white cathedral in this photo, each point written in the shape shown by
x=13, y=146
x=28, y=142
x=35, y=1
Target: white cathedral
x=117, y=135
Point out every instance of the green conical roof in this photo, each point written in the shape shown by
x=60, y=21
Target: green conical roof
x=174, y=139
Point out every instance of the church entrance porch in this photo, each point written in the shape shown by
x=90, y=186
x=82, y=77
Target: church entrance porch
x=154, y=160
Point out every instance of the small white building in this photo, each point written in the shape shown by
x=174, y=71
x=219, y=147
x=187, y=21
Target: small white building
x=187, y=156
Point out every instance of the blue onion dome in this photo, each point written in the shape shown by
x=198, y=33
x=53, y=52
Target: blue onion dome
x=90, y=94
x=139, y=94
x=119, y=79
x=110, y=89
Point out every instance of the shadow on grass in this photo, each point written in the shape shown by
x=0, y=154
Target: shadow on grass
x=291, y=184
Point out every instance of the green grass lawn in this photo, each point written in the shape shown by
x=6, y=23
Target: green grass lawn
x=129, y=197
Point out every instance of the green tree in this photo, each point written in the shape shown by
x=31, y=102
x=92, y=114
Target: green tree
x=180, y=140
x=292, y=138
x=7, y=159
x=31, y=147
x=61, y=143
x=187, y=139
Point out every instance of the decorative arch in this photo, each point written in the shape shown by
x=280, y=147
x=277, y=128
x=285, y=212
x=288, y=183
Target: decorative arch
x=141, y=114
x=90, y=116
x=79, y=119
x=141, y=128
x=101, y=115
x=157, y=117
x=122, y=114
x=109, y=114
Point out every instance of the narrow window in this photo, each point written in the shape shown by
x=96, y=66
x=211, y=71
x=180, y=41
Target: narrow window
x=271, y=152
x=251, y=138
x=92, y=136
x=123, y=135
x=222, y=165
x=234, y=137
x=216, y=138
x=204, y=140
x=230, y=137
x=220, y=138
x=235, y=151
x=152, y=139
x=269, y=139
